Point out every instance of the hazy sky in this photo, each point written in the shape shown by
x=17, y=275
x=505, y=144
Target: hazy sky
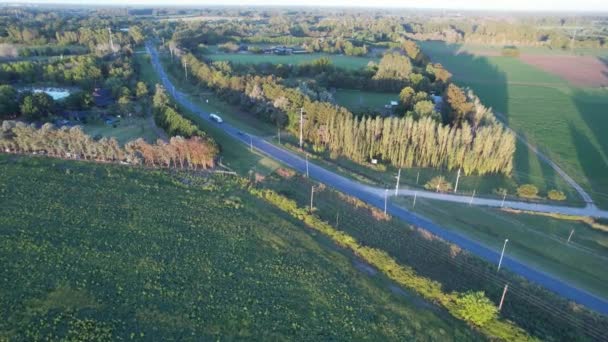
x=536, y=5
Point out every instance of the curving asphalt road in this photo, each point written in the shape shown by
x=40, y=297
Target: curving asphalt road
x=375, y=196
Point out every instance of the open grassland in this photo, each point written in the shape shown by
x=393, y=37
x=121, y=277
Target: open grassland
x=105, y=252
x=564, y=121
x=126, y=129
x=539, y=241
x=368, y=101
x=340, y=61
x=531, y=307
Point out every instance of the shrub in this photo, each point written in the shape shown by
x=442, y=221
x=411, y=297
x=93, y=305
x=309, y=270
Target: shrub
x=476, y=308
x=556, y=195
x=510, y=51
x=527, y=191
x=438, y=183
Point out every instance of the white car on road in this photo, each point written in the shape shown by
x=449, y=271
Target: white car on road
x=215, y=118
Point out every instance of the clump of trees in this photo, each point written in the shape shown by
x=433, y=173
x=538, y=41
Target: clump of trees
x=439, y=184
x=167, y=117
x=556, y=195
x=73, y=143
x=527, y=191
x=476, y=308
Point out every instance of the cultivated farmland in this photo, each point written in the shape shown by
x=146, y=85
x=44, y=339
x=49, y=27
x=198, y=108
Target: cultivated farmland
x=111, y=253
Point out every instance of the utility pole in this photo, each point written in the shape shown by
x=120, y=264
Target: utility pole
x=186, y=69
x=306, y=165
x=397, y=186
x=111, y=42
x=502, y=299
x=457, y=179
x=385, y=200
x=415, y=195
x=573, y=37
x=570, y=236
x=417, y=176
x=279, y=134
x=312, y=196
x=472, y=197
x=502, y=254
x=301, y=127
x=504, y=196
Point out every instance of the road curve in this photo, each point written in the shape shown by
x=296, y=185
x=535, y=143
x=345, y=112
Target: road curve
x=375, y=196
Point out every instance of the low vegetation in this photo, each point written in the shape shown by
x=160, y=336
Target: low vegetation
x=104, y=252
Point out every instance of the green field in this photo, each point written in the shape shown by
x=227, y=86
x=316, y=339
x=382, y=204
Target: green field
x=357, y=100
x=126, y=129
x=341, y=61
x=565, y=121
x=106, y=252
x=538, y=241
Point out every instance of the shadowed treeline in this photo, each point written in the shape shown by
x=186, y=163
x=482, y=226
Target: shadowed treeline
x=593, y=158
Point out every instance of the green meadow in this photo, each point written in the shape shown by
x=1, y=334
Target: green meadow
x=341, y=61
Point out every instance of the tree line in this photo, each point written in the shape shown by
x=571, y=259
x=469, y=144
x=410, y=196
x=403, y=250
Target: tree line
x=169, y=118
x=403, y=142
x=72, y=143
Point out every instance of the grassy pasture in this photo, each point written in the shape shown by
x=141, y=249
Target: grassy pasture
x=126, y=129
x=564, y=121
x=357, y=100
x=104, y=252
x=341, y=61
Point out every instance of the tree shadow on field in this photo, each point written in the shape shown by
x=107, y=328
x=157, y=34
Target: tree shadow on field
x=488, y=82
x=592, y=106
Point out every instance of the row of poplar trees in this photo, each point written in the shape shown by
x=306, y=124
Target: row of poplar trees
x=72, y=143
x=402, y=142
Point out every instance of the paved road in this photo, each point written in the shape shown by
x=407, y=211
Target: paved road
x=375, y=197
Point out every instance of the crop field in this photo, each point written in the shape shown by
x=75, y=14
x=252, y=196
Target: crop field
x=341, y=61
x=565, y=121
x=495, y=50
x=104, y=252
x=357, y=100
x=543, y=245
x=538, y=241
